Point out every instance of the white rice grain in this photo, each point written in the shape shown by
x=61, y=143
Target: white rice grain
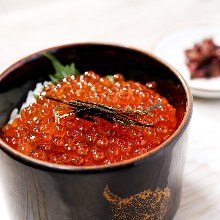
x=29, y=100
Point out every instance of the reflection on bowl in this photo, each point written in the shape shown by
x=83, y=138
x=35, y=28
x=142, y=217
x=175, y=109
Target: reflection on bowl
x=96, y=192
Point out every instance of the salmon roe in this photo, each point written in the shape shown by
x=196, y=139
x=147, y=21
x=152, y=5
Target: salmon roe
x=79, y=142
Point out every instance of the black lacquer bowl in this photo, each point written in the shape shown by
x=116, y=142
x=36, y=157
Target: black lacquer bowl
x=147, y=187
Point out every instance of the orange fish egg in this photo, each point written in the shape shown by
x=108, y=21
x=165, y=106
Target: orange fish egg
x=79, y=142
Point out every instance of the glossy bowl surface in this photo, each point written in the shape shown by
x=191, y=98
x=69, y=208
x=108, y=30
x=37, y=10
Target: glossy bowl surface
x=87, y=192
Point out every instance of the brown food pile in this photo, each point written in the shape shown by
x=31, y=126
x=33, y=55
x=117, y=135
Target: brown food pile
x=203, y=60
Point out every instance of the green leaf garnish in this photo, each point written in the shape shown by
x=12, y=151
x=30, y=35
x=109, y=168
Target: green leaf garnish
x=61, y=70
x=110, y=78
x=36, y=96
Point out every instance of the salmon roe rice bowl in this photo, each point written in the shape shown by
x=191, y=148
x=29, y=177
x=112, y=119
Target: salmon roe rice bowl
x=89, y=120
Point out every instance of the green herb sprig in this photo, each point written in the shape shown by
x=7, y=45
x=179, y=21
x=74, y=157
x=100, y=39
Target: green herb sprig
x=110, y=78
x=61, y=70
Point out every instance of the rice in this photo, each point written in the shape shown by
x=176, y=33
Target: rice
x=29, y=100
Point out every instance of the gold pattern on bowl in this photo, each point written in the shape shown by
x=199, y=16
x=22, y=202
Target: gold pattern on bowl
x=146, y=205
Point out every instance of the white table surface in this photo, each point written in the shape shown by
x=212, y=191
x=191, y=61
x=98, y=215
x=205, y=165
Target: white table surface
x=27, y=26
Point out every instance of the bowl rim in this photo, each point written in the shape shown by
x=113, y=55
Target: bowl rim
x=43, y=165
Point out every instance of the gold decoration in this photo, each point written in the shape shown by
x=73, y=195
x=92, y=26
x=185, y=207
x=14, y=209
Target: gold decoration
x=146, y=205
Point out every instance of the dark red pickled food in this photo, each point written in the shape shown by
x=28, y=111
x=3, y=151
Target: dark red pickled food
x=79, y=142
x=203, y=60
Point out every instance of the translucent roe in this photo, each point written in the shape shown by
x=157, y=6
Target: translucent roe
x=79, y=142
